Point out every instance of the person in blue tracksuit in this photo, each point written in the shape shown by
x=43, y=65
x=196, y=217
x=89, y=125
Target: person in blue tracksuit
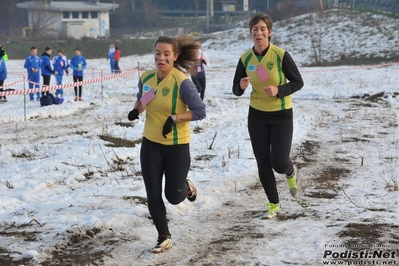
x=32, y=65
x=111, y=53
x=60, y=64
x=3, y=74
x=78, y=65
x=46, y=68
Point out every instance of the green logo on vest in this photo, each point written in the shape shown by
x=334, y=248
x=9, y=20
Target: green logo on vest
x=270, y=65
x=165, y=91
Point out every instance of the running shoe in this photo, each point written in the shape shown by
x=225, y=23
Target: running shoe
x=192, y=191
x=163, y=243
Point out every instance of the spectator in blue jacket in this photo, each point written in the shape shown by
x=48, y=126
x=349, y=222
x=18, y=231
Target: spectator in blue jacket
x=3, y=74
x=46, y=68
x=60, y=64
x=111, y=53
x=32, y=64
x=78, y=65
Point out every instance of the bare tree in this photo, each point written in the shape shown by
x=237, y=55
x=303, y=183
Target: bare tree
x=197, y=2
x=316, y=36
x=12, y=19
x=148, y=11
x=41, y=20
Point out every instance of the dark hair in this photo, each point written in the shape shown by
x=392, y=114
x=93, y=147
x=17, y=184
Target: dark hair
x=78, y=49
x=258, y=17
x=33, y=48
x=187, y=50
x=47, y=48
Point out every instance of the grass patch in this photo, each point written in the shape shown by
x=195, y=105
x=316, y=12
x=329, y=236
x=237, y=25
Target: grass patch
x=30, y=154
x=321, y=195
x=356, y=61
x=283, y=217
x=83, y=246
x=306, y=152
x=119, y=142
x=81, y=132
x=20, y=231
x=365, y=234
x=204, y=157
x=136, y=199
x=7, y=259
x=198, y=130
x=91, y=48
x=125, y=124
x=329, y=174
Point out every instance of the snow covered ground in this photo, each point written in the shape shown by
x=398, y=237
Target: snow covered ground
x=68, y=197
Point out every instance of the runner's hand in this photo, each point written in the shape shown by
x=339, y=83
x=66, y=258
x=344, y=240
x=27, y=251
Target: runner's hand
x=133, y=115
x=167, y=127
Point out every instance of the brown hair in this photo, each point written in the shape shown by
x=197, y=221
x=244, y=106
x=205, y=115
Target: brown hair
x=187, y=50
x=258, y=17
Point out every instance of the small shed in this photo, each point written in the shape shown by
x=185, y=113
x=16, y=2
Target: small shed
x=71, y=19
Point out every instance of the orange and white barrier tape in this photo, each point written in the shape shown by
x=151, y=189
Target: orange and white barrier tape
x=68, y=85
x=12, y=83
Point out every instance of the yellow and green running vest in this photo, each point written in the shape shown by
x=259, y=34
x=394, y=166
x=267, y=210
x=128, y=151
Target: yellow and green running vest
x=167, y=102
x=272, y=63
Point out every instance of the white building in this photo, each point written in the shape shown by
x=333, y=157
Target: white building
x=72, y=19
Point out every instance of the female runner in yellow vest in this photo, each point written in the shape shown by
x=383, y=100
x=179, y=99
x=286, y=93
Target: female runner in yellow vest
x=171, y=101
x=270, y=118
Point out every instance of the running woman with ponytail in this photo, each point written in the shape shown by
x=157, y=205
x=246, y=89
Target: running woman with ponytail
x=171, y=101
x=270, y=119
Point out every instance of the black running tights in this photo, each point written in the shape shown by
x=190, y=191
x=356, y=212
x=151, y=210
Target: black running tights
x=46, y=81
x=157, y=160
x=200, y=83
x=271, y=138
x=78, y=79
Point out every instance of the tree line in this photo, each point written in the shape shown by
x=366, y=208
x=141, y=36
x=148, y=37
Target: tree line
x=146, y=14
x=140, y=13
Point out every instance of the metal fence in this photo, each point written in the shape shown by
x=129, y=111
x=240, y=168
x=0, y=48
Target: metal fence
x=381, y=5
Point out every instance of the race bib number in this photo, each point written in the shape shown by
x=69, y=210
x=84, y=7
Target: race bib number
x=262, y=74
x=148, y=97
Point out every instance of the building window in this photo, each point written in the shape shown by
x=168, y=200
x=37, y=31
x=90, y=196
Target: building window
x=75, y=14
x=228, y=7
x=85, y=14
x=65, y=14
x=94, y=14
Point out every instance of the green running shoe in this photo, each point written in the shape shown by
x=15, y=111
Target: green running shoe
x=274, y=210
x=292, y=183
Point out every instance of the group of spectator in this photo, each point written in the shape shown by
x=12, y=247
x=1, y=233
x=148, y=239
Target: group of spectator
x=114, y=55
x=57, y=67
